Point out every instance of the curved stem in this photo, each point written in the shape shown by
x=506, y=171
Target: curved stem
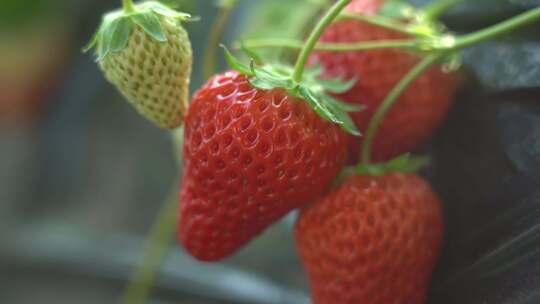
x=497, y=30
x=218, y=28
x=387, y=23
x=331, y=47
x=159, y=238
x=314, y=37
x=390, y=100
x=128, y=6
x=434, y=10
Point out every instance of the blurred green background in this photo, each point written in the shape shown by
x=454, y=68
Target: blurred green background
x=82, y=176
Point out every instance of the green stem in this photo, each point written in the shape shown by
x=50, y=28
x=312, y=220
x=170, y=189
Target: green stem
x=128, y=6
x=387, y=23
x=331, y=47
x=159, y=238
x=218, y=28
x=390, y=100
x=434, y=10
x=334, y=11
x=497, y=30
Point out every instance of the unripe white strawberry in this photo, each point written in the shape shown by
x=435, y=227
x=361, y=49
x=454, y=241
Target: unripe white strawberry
x=146, y=53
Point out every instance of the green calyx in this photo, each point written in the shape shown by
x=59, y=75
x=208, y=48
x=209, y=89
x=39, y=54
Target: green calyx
x=405, y=163
x=116, y=27
x=312, y=89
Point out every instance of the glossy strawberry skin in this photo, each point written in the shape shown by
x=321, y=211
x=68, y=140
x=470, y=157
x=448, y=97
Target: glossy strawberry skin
x=373, y=240
x=419, y=111
x=250, y=157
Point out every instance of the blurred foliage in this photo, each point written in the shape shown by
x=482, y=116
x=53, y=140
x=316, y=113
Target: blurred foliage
x=19, y=12
x=281, y=19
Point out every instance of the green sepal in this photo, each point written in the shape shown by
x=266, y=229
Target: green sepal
x=311, y=90
x=272, y=79
x=149, y=22
x=121, y=35
x=106, y=39
x=251, y=53
x=405, y=163
x=167, y=11
x=236, y=64
x=116, y=27
x=346, y=107
x=337, y=86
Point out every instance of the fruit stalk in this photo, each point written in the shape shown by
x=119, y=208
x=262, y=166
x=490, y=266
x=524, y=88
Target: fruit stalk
x=209, y=59
x=390, y=100
x=330, y=16
x=381, y=21
x=497, y=30
x=128, y=6
x=331, y=47
x=159, y=238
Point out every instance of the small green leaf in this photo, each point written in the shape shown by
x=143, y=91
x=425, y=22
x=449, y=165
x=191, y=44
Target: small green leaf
x=106, y=38
x=235, y=64
x=121, y=34
x=347, y=123
x=251, y=53
x=318, y=106
x=93, y=42
x=150, y=23
x=337, y=86
x=272, y=79
x=166, y=11
x=261, y=84
x=345, y=107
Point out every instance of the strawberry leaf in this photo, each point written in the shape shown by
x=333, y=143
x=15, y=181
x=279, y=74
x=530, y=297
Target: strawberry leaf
x=161, y=9
x=261, y=84
x=121, y=34
x=274, y=80
x=322, y=109
x=106, y=38
x=345, y=107
x=251, y=53
x=93, y=41
x=340, y=109
x=150, y=23
x=337, y=86
x=236, y=64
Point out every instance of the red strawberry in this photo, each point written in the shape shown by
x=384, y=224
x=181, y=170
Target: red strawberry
x=417, y=113
x=373, y=240
x=250, y=156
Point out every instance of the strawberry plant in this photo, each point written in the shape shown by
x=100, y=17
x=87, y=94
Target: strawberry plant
x=372, y=82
